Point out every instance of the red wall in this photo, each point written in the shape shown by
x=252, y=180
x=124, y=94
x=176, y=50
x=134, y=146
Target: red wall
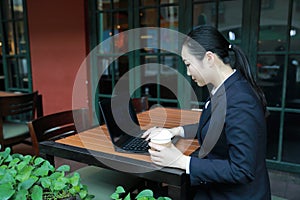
x=58, y=47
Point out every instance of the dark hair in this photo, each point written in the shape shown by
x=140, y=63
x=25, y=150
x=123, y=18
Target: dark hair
x=210, y=39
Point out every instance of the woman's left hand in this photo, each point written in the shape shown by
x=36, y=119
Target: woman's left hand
x=167, y=156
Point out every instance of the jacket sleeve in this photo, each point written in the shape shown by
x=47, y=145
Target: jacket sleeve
x=242, y=130
x=190, y=131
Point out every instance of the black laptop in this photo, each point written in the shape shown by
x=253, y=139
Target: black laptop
x=123, y=125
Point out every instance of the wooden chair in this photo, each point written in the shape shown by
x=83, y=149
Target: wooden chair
x=140, y=104
x=101, y=182
x=57, y=125
x=15, y=112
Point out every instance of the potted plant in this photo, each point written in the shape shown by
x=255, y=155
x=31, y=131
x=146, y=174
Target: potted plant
x=145, y=194
x=29, y=177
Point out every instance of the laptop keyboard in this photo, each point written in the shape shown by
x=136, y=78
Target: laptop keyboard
x=137, y=145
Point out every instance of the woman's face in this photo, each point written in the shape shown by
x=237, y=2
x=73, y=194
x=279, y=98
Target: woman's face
x=196, y=68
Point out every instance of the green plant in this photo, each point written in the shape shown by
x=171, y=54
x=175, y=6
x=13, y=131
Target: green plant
x=143, y=195
x=28, y=177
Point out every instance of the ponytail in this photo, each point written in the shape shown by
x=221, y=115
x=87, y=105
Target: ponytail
x=243, y=66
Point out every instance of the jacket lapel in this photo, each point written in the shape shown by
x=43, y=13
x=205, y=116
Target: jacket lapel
x=219, y=95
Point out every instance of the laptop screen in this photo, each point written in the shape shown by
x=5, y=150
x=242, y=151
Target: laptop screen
x=120, y=119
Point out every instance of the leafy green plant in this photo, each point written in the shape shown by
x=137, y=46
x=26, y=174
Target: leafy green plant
x=26, y=177
x=143, y=195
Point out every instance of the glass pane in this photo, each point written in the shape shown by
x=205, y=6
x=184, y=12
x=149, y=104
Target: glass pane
x=148, y=17
x=9, y=33
x=20, y=38
x=120, y=21
x=204, y=14
x=18, y=9
x=12, y=70
x=291, y=138
x=295, y=31
x=149, y=2
x=120, y=4
x=168, y=75
x=293, y=82
x=149, y=74
x=273, y=26
x=270, y=77
x=169, y=17
x=22, y=75
x=7, y=12
x=103, y=4
x=105, y=27
x=230, y=20
x=273, y=123
x=168, y=1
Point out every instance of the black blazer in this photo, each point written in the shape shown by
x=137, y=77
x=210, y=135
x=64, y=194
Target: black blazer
x=235, y=168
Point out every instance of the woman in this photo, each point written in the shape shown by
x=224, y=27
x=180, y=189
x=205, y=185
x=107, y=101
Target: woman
x=231, y=163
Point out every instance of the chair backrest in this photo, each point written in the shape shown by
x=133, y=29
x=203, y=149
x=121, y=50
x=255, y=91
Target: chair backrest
x=18, y=104
x=140, y=104
x=58, y=125
x=17, y=108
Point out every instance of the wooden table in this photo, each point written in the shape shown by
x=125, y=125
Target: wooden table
x=94, y=147
x=7, y=94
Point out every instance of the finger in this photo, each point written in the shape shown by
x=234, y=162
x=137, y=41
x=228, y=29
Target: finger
x=156, y=146
x=147, y=132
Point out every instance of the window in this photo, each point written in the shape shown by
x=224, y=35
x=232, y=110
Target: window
x=270, y=38
x=15, y=71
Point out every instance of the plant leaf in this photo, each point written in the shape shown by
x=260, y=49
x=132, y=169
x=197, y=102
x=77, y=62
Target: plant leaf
x=37, y=193
x=63, y=168
x=7, y=191
x=38, y=160
x=83, y=194
x=28, y=183
x=127, y=197
x=74, y=180
x=7, y=178
x=46, y=182
x=114, y=195
x=13, y=162
x=145, y=193
x=21, y=195
x=5, y=153
x=120, y=190
x=25, y=173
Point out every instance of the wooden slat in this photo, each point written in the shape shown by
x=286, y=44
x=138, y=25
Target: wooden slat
x=98, y=139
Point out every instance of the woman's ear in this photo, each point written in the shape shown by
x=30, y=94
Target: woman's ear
x=210, y=57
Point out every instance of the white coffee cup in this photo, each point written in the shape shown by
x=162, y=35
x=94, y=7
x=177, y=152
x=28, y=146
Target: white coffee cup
x=163, y=138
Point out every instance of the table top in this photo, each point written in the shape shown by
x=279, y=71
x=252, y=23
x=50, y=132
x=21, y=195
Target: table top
x=6, y=94
x=94, y=146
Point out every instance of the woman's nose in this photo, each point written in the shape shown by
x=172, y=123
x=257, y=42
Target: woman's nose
x=188, y=72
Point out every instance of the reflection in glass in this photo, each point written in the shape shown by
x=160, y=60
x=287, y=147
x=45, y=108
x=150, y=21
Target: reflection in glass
x=148, y=17
x=121, y=4
x=9, y=35
x=169, y=17
x=103, y=5
x=18, y=9
x=293, y=82
x=291, y=138
x=203, y=14
x=149, y=2
x=20, y=40
x=7, y=14
x=273, y=27
x=273, y=123
x=270, y=77
x=295, y=31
